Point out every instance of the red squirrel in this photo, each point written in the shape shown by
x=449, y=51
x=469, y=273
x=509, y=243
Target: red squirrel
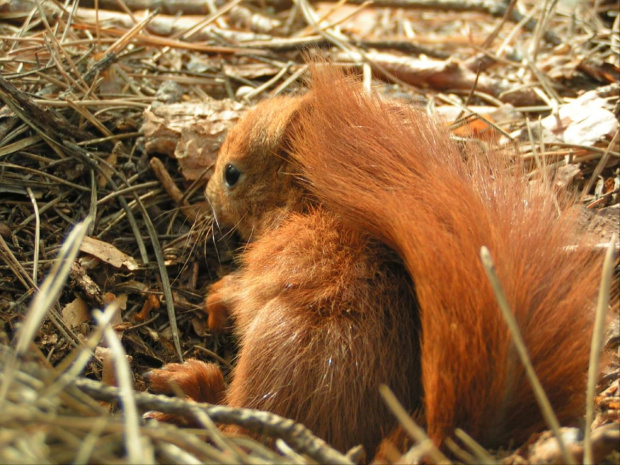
x=365, y=222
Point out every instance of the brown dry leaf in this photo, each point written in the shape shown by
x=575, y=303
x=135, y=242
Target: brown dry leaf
x=601, y=71
x=350, y=18
x=560, y=65
x=567, y=174
x=165, y=25
x=198, y=147
x=584, y=121
x=446, y=75
x=151, y=303
x=88, y=262
x=88, y=287
x=107, y=172
x=121, y=301
x=108, y=372
x=609, y=185
x=251, y=70
x=108, y=253
x=427, y=72
x=75, y=313
x=112, y=82
x=243, y=18
x=5, y=231
x=610, y=398
x=200, y=326
x=165, y=339
x=191, y=132
x=502, y=117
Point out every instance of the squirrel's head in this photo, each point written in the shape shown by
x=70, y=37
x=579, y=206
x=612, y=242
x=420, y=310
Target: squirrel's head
x=253, y=185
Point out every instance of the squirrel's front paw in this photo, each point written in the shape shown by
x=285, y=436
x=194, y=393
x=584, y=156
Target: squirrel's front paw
x=198, y=381
x=217, y=306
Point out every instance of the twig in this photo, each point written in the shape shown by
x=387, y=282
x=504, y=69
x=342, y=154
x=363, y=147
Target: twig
x=22, y=104
x=46, y=296
x=295, y=434
x=98, y=165
x=37, y=235
x=491, y=7
x=51, y=288
x=539, y=392
x=597, y=344
x=250, y=95
x=480, y=453
x=137, y=447
x=417, y=434
x=600, y=165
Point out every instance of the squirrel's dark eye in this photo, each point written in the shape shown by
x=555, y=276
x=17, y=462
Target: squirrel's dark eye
x=231, y=175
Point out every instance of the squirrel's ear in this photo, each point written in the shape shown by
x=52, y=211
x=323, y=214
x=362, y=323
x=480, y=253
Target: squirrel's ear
x=285, y=124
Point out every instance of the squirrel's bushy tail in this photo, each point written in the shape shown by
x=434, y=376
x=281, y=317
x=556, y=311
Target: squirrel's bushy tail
x=395, y=173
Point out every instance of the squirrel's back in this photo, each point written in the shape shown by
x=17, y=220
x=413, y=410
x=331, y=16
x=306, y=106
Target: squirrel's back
x=394, y=173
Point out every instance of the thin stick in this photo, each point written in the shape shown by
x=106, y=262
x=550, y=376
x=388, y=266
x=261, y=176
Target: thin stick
x=250, y=95
x=139, y=449
x=417, y=434
x=599, y=166
x=295, y=434
x=44, y=299
x=539, y=392
x=51, y=287
x=482, y=456
x=597, y=343
x=460, y=453
x=37, y=235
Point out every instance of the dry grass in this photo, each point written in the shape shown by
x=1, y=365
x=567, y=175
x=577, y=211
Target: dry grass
x=75, y=86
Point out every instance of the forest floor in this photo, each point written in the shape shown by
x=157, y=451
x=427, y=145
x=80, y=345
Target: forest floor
x=115, y=110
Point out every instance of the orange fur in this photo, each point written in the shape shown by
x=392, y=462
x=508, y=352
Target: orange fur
x=199, y=381
x=366, y=223
x=314, y=303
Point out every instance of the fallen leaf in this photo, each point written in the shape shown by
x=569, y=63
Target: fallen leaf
x=200, y=326
x=567, y=174
x=191, y=132
x=107, y=169
x=121, y=301
x=75, y=313
x=501, y=117
x=584, y=121
x=108, y=371
x=151, y=303
x=108, y=253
